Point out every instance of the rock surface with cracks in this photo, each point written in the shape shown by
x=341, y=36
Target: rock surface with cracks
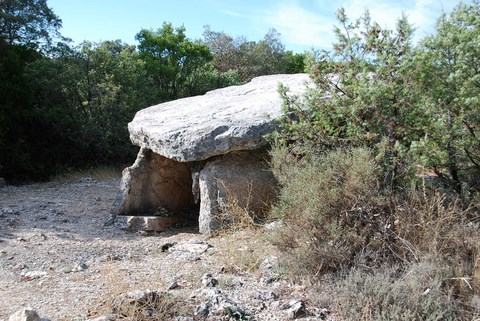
x=223, y=120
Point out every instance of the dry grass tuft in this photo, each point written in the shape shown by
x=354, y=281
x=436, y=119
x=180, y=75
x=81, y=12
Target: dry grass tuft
x=236, y=214
x=407, y=293
x=240, y=210
x=124, y=301
x=242, y=250
x=148, y=305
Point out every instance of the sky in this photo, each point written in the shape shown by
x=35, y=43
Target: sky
x=303, y=24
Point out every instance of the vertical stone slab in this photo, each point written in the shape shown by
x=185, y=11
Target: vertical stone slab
x=241, y=177
x=154, y=182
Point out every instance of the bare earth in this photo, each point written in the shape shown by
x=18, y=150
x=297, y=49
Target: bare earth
x=57, y=256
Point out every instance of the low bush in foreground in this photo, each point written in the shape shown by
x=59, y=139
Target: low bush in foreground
x=403, y=255
x=415, y=293
x=332, y=209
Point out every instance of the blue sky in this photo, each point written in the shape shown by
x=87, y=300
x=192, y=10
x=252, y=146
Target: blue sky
x=304, y=24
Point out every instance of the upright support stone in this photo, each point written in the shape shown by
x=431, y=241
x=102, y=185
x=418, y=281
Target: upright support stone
x=239, y=179
x=154, y=182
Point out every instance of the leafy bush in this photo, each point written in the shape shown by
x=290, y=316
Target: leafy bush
x=332, y=208
x=389, y=295
x=366, y=96
x=250, y=59
x=336, y=218
x=448, y=74
x=349, y=155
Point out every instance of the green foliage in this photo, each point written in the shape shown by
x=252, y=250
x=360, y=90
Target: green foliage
x=264, y=57
x=15, y=112
x=224, y=49
x=337, y=219
x=27, y=22
x=366, y=96
x=412, y=106
x=295, y=63
x=332, y=209
x=174, y=63
x=250, y=58
x=387, y=295
x=208, y=78
x=24, y=26
x=384, y=115
x=83, y=100
x=63, y=106
x=449, y=74
x=69, y=107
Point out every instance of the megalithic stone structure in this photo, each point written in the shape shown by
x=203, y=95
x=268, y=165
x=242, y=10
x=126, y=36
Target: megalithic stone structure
x=201, y=152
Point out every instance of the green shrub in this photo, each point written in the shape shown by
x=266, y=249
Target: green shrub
x=387, y=295
x=333, y=211
x=336, y=218
x=349, y=155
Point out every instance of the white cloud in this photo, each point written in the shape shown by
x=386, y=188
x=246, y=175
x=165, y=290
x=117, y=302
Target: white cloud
x=312, y=26
x=301, y=27
x=422, y=14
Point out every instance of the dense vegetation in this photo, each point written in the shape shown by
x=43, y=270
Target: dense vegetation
x=379, y=167
x=64, y=106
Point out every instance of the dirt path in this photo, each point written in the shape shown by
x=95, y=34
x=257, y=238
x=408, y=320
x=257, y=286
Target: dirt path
x=57, y=256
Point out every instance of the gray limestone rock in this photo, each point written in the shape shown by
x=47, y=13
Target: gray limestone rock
x=209, y=281
x=204, y=152
x=238, y=182
x=107, y=317
x=27, y=314
x=32, y=275
x=223, y=120
x=153, y=223
x=154, y=182
x=296, y=309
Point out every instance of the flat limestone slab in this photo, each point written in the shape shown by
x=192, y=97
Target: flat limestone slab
x=222, y=120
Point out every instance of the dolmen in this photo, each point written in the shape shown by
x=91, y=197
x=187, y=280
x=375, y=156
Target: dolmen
x=200, y=154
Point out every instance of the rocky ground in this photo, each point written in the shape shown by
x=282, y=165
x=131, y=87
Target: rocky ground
x=58, y=256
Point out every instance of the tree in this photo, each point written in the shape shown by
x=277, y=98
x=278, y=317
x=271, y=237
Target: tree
x=111, y=87
x=224, y=49
x=366, y=97
x=261, y=58
x=69, y=106
x=172, y=61
x=450, y=78
x=84, y=98
x=295, y=63
x=24, y=26
x=251, y=58
x=27, y=22
x=15, y=110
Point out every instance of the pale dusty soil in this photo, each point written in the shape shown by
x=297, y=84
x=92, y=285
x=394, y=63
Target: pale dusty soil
x=55, y=228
